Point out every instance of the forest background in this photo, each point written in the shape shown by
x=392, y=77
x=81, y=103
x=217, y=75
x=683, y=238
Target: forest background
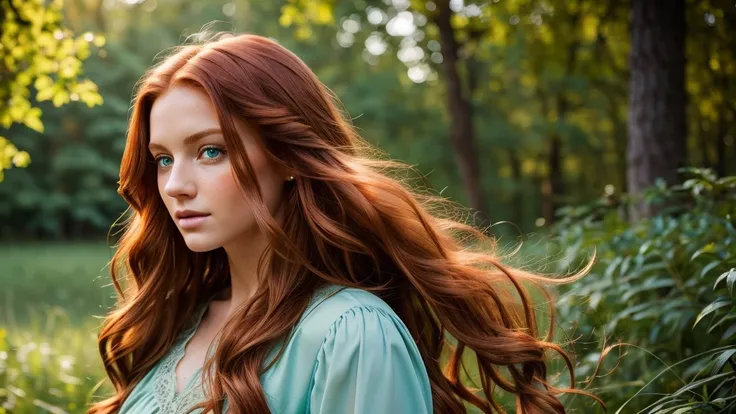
x=569, y=124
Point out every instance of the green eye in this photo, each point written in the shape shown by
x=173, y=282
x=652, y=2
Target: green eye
x=164, y=161
x=212, y=152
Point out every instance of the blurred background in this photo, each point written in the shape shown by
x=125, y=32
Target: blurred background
x=573, y=124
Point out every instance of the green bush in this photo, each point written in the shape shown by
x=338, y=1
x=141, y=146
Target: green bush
x=662, y=291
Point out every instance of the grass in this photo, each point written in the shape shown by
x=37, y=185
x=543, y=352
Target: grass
x=49, y=367
x=51, y=295
x=71, y=276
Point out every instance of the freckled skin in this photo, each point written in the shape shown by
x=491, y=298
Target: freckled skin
x=198, y=176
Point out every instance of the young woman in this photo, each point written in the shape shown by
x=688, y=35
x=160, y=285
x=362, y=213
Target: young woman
x=273, y=263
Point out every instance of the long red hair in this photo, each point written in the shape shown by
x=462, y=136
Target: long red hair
x=351, y=218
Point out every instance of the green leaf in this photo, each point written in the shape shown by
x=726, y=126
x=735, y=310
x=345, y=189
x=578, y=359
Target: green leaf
x=686, y=408
x=721, y=360
x=731, y=331
x=718, y=304
x=710, y=266
x=645, y=247
x=696, y=384
x=723, y=276
x=647, y=270
x=649, y=285
x=725, y=318
x=611, y=268
x=625, y=266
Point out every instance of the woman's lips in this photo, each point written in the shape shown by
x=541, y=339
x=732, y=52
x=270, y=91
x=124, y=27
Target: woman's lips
x=192, y=222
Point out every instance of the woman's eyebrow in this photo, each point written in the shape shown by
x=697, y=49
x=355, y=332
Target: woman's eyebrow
x=191, y=139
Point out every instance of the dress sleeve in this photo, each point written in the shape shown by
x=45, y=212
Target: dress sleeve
x=369, y=364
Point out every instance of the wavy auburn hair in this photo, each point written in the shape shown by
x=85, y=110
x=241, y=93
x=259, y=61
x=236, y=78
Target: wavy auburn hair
x=351, y=219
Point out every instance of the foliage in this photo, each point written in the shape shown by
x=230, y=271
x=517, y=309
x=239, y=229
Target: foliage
x=663, y=288
x=547, y=81
x=517, y=54
x=37, y=52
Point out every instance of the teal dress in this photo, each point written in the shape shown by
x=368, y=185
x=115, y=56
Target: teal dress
x=349, y=353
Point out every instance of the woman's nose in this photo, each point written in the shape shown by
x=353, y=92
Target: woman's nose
x=180, y=183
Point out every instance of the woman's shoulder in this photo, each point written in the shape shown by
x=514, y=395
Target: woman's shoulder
x=337, y=299
x=349, y=341
x=367, y=351
x=335, y=308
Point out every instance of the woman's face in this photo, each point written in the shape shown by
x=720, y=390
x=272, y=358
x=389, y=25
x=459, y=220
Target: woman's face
x=195, y=179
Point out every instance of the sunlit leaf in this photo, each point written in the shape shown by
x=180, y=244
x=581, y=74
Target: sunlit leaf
x=21, y=159
x=32, y=120
x=590, y=27
x=35, y=53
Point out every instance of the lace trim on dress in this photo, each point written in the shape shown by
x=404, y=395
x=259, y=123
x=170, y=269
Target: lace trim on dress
x=165, y=385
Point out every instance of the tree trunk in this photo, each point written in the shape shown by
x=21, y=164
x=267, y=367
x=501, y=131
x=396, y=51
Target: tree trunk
x=553, y=187
x=462, y=135
x=721, y=132
x=517, y=203
x=656, y=124
x=720, y=165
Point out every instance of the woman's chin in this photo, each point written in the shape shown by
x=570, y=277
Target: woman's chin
x=199, y=244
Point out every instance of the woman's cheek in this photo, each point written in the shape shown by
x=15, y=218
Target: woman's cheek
x=225, y=185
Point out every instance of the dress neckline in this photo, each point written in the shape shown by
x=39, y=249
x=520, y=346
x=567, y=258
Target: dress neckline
x=171, y=401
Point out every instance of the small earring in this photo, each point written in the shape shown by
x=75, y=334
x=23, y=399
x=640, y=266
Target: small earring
x=291, y=178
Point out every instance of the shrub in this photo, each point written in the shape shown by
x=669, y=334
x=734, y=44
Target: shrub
x=664, y=289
